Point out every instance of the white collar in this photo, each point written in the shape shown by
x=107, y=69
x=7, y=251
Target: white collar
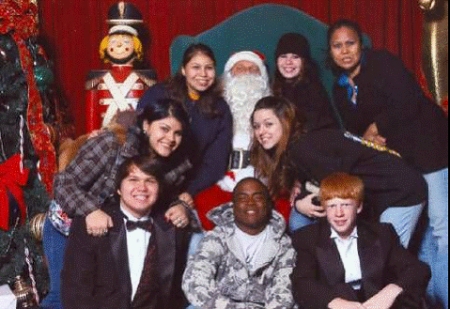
x=335, y=235
x=130, y=216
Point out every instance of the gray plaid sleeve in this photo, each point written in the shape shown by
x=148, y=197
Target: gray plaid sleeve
x=72, y=187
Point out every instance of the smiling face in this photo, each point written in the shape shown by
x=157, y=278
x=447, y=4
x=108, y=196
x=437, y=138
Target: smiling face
x=342, y=214
x=251, y=207
x=138, y=192
x=289, y=65
x=267, y=128
x=120, y=46
x=164, y=135
x=346, y=50
x=200, y=73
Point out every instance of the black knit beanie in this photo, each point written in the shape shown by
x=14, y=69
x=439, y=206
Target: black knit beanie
x=294, y=43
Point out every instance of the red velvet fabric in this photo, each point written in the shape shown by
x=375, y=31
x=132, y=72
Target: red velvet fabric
x=207, y=200
x=72, y=31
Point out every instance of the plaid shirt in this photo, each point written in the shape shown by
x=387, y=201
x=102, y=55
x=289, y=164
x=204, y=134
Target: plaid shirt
x=90, y=178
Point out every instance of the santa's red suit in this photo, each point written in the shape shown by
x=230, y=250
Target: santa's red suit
x=242, y=94
x=111, y=90
x=216, y=196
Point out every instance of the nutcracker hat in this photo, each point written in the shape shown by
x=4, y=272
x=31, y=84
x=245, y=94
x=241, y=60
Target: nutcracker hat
x=122, y=16
x=252, y=56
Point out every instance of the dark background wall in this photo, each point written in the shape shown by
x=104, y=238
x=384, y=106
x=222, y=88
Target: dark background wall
x=71, y=31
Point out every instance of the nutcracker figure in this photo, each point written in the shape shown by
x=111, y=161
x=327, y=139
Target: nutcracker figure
x=120, y=87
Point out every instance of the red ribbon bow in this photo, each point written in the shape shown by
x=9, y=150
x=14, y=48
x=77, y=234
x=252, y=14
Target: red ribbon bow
x=12, y=180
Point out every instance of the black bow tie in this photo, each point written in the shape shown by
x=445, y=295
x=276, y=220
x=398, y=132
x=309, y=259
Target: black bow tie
x=145, y=225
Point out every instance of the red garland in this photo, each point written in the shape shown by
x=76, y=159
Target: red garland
x=12, y=180
x=19, y=18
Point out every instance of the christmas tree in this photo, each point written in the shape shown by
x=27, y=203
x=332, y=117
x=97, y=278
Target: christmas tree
x=32, y=122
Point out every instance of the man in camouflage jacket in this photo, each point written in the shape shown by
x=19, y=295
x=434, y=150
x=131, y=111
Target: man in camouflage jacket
x=247, y=260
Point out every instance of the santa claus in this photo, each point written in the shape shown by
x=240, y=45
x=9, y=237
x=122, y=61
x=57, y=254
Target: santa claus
x=245, y=81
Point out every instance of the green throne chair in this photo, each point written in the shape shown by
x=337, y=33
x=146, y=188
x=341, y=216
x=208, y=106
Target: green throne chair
x=259, y=28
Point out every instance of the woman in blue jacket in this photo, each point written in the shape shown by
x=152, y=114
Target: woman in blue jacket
x=197, y=88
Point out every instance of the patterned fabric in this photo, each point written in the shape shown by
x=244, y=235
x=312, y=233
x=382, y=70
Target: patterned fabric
x=59, y=219
x=217, y=276
x=90, y=178
x=148, y=288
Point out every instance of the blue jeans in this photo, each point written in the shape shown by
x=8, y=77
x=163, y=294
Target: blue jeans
x=196, y=238
x=404, y=220
x=54, y=244
x=434, y=247
x=298, y=220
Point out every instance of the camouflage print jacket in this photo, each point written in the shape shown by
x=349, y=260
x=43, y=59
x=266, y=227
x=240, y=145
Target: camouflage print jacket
x=217, y=277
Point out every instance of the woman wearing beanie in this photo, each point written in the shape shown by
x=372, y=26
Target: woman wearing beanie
x=297, y=79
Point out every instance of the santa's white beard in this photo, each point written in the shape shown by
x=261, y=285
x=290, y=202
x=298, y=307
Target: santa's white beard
x=242, y=93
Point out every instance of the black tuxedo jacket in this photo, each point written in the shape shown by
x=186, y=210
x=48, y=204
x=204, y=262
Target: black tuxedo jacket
x=96, y=273
x=319, y=276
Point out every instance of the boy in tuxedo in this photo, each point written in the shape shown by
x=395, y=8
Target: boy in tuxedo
x=344, y=263
x=136, y=263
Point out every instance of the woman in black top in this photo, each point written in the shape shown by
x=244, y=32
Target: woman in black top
x=379, y=99
x=297, y=79
x=283, y=153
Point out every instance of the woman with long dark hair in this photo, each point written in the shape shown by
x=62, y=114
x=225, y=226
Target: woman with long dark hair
x=197, y=89
x=88, y=182
x=297, y=79
x=379, y=99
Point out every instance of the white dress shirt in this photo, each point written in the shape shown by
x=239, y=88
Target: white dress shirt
x=137, y=245
x=348, y=250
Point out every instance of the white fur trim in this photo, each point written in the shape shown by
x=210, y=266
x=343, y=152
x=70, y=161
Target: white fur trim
x=228, y=184
x=248, y=56
x=123, y=28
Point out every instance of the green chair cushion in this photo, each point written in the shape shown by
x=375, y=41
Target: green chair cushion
x=259, y=28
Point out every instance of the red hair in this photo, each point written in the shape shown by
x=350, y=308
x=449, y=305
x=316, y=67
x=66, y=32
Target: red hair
x=341, y=185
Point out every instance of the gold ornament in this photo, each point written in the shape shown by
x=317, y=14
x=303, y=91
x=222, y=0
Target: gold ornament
x=36, y=226
x=24, y=293
x=435, y=47
x=427, y=5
